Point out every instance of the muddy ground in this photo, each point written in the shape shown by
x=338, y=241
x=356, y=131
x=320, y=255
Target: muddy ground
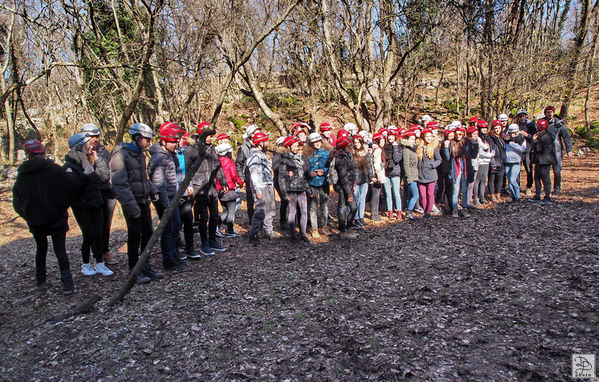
x=507, y=294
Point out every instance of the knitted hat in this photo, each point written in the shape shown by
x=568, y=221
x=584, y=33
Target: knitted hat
x=33, y=146
x=550, y=108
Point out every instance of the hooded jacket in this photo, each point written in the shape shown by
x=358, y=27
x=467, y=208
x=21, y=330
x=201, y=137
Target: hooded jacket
x=318, y=161
x=231, y=175
x=86, y=188
x=41, y=196
x=515, y=149
x=130, y=181
x=243, y=154
x=427, y=167
x=162, y=170
x=378, y=164
x=293, y=174
x=106, y=186
x=346, y=172
x=544, y=149
x=394, y=155
x=259, y=169
x=497, y=145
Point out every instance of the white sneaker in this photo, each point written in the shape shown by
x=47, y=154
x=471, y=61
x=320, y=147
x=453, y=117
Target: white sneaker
x=103, y=270
x=87, y=269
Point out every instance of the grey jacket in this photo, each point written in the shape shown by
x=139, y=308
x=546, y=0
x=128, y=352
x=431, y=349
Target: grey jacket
x=129, y=178
x=427, y=167
x=260, y=169
x=163, y=173
x=410, y=163
x=241, y=159
x=204, y=180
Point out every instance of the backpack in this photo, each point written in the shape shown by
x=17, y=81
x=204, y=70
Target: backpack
x=332, y=176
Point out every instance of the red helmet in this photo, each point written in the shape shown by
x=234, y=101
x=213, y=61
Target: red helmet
x=474, y=120
x=298, y=127
x=446, y=132
x=259, y=137
x=342, y=134
x=542, y=124
x=185, y=137
x=325, y=126
x=409, y=133
x=415, y=127
x=393, y=132
x=382, y=130
x=461, y=128
x=471, y=130
x=202, y=126
x=432, y=125
x=550, y=108
x=481, y=123
x=343, y=141
x=290, y=140
x=378, y=136
x=426, y=131
x=169, y=132
x=33, y=146
x=497, y=122
x=222, y=136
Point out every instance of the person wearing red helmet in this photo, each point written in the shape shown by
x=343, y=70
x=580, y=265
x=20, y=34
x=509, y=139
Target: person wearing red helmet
x=299, y=130
x=410, y=170
x=544, y=158
x=482, y=164
x=429, y=158
x=515, y=148
x=365, y=176
x=378, y=162
x=497, y=163
x=444, y=183
x=162, y=170
x=204, y=188
x=243, y=153
x=393, y=155
x=561, y=139
x=41, y=196
x=326, y=131
x=345, y=167
x=293, y=174
x=261, y=184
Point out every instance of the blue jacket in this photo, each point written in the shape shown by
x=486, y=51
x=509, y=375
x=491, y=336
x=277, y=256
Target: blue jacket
x=318, y=161
x=514, y=149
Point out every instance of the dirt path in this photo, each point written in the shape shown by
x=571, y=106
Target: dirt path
x=508, y=294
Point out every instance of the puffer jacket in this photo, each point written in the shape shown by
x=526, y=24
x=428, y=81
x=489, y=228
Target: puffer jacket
x=515, y=149
x=106, y=187
x=233, y=179
x=378, y=164
x=393, y=153
x=292, y=177
x=544, y=149
x=130, y=181
x=427, y=167
x=346, y=172
x=204, y=180
x=87, y=188
x=497, y=145
x=42, y=194
x=410, y=162
x=318, y=161
x=162, y=170
x=243, y=154
x=260, y=170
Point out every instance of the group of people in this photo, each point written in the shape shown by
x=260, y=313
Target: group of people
x=429, y=166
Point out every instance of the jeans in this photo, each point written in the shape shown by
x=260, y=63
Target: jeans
x=298, y=202
x=91, y=224
x=264, y=211
x=346, y=219
x=168, y=239
x=513, y=175
x=139, y=231
x=238, y=199
x=460, y=184
x=58, y=242
x=393, y=193
x=413, y=198
x=427, y=196
x=360, y=192
x=320, y=194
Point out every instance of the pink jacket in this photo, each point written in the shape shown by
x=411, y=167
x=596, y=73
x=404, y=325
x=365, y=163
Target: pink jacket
x=230, y=173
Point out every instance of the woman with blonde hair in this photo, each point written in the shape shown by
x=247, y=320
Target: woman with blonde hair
x=429, y=158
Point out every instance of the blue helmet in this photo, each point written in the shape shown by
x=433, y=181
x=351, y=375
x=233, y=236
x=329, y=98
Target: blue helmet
x=77, y=140
x=143, y=129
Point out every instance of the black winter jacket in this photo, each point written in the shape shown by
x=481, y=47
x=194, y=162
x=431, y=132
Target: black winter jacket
x=41, y=195
x=346, y=172
x=204, y=180
x=162, y=171
x=130, y=181
x=241, y=159
x=87, y=188
x=106, y=187
x=394, y=154
x=544, y=149
x=298, y=181
x=497, y=144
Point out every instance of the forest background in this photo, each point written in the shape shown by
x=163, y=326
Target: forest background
x=274, y=62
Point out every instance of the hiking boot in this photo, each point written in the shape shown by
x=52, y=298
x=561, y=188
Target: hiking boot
x=173, y=265
x=181, y=256
x=536, y=198
x=142, y=279
x=192, y=254
x=305, y=239
x=103, y=270
x=410, y=215
x=87, y=269
x=67, y=282
x=150, y=272
x=215, y=246
x=254, y=240
x=556, y=192
x=205, y=250
x=108, y=259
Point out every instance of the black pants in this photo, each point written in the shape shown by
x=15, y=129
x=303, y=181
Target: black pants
x=448, y=192
x=346, y=221
x=528, y=167
x=91, y=223
x=375, y=199
x=228, y=215
x=108, y=211
x=543, y=174
x=496, y=180
x=139, y=231
x=249, y=198
x=58, y=242
x=208, y=209
x=480, y=182
x=186, y=213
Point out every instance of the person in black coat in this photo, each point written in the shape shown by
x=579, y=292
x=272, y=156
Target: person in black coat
x=544, y=156
x=346, y=179
x=41, y=196
x=497, y=165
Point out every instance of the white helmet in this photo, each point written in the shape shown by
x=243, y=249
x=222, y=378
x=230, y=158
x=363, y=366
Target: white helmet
x=314, y=137
x=91, y=129
x=143, y=129
x=502, y=117
x=279, y=141
x=251, y=129
x=351, y=128
x=223, y=148
x=426, y=119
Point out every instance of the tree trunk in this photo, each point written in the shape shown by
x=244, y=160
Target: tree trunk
x=246, y=74
x=8, y=113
